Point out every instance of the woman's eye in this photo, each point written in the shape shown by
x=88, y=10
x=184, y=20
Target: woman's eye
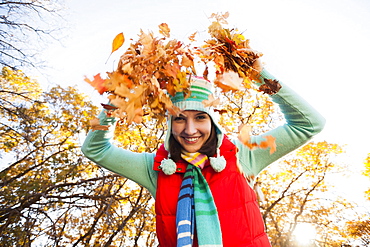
x=179, y=118
x=201, y=117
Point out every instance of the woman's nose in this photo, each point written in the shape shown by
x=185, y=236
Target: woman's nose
x=190, y=128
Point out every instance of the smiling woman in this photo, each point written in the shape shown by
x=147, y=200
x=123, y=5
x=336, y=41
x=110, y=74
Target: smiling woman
x=305, y=234
x=198, y=175
x=192, y=129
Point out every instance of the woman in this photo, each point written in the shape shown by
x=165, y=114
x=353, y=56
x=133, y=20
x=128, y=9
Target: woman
x=198, y=177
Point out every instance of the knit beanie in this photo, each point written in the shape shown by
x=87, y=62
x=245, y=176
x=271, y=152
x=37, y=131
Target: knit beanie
x=200, y=90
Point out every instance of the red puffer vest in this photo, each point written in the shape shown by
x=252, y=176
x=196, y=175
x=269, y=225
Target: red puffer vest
x=236, y=202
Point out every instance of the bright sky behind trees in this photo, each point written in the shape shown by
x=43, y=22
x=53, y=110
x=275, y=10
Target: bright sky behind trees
x=320, y=48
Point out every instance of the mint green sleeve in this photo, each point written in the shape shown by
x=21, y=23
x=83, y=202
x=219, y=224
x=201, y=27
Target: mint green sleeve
x=302, y=123
x=137, y=167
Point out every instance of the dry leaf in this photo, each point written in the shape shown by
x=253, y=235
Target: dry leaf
x=164, y=29
x=211, y=102
x=109, y=107
x=229, y=81
x=245, y=138
x=270, y=87
x=192, y=36
x=97, y=83
x=95, y=125
x=269, y=143
x=244, y=134
x=118, y=42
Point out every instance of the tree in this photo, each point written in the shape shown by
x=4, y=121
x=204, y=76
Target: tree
x=25, y=29
x=360, y=227
x=49, y=193
x=367, y=174
x=297, y=192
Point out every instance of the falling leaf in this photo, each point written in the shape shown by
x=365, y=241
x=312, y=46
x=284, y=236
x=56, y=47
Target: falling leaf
x=164, y=29
x=118, y=42
x=244, y=134
x=192, y=36
x=229, y=81
x=270, y=86
x=211, y=102
x=109, y=107
x=269, y=143
x=97, y=83
x=95, y=125
x=245, y=137
x=222, y=111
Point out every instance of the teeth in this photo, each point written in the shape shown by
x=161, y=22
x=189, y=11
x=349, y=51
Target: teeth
x=191, y=139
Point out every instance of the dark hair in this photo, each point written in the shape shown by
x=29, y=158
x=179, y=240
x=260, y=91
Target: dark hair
x=209, y=147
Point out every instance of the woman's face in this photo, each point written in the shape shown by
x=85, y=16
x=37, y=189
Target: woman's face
x=191, y=129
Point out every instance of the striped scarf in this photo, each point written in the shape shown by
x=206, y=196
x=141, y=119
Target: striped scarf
x=196, y=206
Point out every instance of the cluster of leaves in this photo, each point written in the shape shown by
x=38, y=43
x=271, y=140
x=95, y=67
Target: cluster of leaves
x=147, y=70
x=154, y=68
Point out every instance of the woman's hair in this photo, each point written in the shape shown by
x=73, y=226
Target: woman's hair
x=209, y=147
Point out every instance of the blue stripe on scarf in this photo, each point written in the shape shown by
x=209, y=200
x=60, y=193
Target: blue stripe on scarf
x=185, y=216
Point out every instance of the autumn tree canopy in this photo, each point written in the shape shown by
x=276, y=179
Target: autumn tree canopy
x=49, y=193
x=297, y=192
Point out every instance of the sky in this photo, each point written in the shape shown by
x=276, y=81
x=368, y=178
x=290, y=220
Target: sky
x=320, y=48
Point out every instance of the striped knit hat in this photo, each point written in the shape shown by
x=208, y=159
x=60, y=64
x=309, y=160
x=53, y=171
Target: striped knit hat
x=200, y=90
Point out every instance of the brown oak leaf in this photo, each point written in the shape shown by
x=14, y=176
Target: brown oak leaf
x=270, y=86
